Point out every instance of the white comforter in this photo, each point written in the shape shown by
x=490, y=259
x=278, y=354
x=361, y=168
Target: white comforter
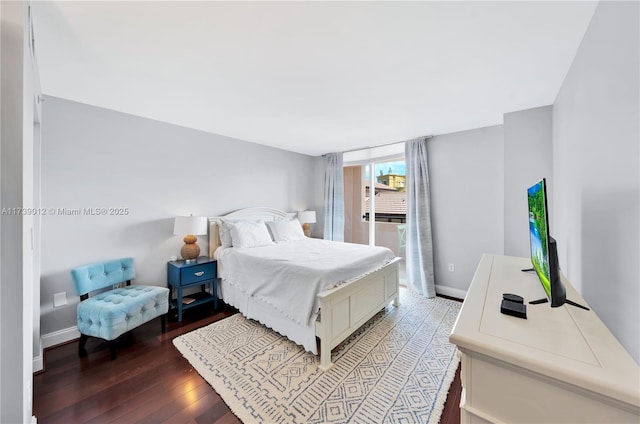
x=289, y=275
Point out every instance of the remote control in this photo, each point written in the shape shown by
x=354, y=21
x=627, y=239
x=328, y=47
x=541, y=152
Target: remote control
x=514, y=309
x=513, y=297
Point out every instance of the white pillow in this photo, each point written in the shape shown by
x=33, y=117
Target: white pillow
x=225, y=237
x=286, y=230
x=249, y=234
x=224, y=231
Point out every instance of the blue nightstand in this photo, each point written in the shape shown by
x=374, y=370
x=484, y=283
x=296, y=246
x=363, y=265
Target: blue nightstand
x=201, y=272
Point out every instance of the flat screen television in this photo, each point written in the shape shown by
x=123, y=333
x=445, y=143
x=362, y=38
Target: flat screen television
x=544, y=251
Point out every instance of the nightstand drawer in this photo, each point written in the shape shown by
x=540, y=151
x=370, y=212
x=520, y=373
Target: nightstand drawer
x=197, y=273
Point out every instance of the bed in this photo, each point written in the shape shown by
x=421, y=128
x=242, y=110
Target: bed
x=344, y=284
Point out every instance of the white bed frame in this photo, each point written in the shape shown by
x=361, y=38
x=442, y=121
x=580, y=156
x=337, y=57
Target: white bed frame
x=344, y=308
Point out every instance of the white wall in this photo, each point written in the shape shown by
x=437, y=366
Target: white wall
x=596, y=196
x=527, y=159
x=466, y=173
x=17, y=189
x=95, y=158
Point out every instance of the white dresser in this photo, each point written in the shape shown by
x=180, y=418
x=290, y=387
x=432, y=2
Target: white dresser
x=558, y=365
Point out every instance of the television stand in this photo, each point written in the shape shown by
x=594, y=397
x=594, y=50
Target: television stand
x=559, y=365
x=567, y=301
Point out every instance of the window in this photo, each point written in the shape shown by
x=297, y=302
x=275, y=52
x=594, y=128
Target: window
x=390, y=201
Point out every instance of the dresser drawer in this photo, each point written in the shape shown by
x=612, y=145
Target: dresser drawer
x=194, y=274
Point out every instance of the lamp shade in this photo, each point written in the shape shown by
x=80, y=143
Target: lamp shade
x=307, y=217
x=190, y=225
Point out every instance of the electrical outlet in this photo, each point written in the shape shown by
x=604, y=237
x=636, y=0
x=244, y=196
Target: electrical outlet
x=59, y=299
x=452, y=268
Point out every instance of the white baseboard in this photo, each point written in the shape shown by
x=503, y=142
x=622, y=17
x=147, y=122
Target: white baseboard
x=451, y=292
x=52, y=339
x=38, y=363
x=60, y=336
x=38, y=360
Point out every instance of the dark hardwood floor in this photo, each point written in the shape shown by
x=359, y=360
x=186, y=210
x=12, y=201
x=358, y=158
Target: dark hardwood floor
x=148, y=382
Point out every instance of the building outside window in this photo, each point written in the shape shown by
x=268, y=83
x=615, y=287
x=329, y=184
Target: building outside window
x=390, y=192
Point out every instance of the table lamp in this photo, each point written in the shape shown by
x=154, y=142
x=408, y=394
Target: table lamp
x=192, y=226
x=306, y=218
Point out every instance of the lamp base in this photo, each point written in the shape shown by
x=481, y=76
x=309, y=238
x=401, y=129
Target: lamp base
x=306, y=229
x=190, y=251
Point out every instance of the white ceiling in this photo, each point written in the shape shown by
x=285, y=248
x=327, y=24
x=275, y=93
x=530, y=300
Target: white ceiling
x=310, y=77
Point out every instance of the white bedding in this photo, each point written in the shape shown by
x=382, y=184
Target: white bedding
x=288, y=275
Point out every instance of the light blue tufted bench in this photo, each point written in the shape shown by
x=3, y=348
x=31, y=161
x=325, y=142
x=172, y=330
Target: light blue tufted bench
x=113, y=312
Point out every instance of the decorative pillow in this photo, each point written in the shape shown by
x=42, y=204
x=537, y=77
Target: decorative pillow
x=249, y=234
x=286, y=230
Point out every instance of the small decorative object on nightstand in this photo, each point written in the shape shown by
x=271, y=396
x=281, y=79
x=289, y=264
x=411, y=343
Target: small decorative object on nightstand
x=306, y=218
x=200, y=272
x=192, y=226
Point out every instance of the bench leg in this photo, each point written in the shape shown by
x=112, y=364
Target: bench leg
x=83, y=341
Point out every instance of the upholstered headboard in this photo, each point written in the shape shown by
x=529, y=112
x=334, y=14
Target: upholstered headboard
x=253, y=214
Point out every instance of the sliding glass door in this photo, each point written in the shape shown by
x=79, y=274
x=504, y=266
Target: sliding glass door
x=372, y=216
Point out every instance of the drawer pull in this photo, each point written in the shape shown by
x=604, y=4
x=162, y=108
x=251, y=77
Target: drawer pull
x=199, y=274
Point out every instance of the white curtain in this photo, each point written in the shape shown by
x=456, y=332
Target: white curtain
x=333, y=197
x=419, y=249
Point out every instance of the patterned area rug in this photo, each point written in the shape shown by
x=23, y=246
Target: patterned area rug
x=397, y=368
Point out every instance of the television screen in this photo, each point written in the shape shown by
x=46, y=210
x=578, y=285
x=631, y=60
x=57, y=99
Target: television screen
x=544, y=250
x=538, y=234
